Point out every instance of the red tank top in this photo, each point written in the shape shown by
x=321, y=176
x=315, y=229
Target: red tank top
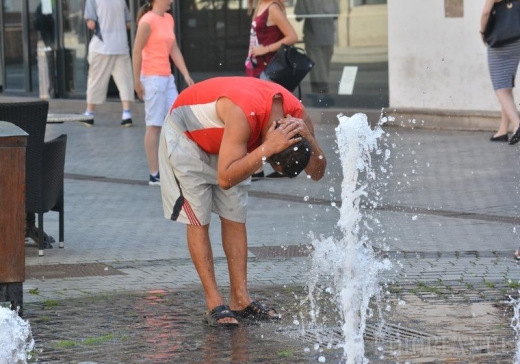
x=253, y=96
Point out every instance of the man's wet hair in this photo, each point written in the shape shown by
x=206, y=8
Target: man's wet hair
x=293, y=159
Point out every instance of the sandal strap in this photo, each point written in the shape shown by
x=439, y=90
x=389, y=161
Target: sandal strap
x=258, y=312
x=221, y=312
x=256, y=307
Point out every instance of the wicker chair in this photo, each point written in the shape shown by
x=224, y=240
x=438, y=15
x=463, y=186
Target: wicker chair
x=44, y=180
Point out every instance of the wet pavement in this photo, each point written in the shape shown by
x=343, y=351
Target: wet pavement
x=123, y=290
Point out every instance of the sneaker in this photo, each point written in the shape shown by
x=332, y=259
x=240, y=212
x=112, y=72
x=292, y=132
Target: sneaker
x=126, y=123
x=88, y=119
x=274, y=175
x=87, y=122
x=155, y=180
x=257, y=176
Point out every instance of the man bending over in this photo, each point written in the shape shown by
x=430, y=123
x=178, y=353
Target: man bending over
x=216, y=135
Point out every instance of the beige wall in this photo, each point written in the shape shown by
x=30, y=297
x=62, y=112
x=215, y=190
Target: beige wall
x=437, y=62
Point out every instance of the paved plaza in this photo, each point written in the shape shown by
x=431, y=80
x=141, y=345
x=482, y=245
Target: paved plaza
x=444, y=209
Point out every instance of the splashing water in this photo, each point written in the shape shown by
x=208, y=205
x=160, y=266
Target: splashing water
x=515, y=324
x=351, y=262
x=15, y=338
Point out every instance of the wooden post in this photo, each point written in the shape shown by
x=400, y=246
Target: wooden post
x=13, y=141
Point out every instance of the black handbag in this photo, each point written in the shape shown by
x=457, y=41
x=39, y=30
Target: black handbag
x=503, y=26
x=288, y=67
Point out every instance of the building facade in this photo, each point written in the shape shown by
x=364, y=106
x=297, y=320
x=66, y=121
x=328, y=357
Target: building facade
x=213, y=35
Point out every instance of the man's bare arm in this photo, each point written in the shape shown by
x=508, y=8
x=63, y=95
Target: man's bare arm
x=235, y=164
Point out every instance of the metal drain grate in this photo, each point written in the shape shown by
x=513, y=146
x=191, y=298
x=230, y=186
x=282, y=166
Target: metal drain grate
x=388, y=333
x=284, y=251
x=70, y=270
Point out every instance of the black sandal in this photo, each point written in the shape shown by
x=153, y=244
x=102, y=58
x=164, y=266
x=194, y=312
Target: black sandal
x=258, y=312
x=220, y=312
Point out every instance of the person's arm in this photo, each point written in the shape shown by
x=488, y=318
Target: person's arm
x=141, y=37
x=484, y=18
x=90, y=14
x=278, y=18
x=178, y=60
x=128, y=18
x=234, y=163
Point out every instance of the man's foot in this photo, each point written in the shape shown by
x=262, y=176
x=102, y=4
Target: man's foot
x=126, y=123
x=126, y=118
x=256, y=311
x=155, y=180
x=221, y=316
x=88, y=122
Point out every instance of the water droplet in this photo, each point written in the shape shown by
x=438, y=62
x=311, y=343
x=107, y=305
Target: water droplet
x=264, y=158
x=306, y=198
x=321, y=359
x=320, y=157
x=414, y=217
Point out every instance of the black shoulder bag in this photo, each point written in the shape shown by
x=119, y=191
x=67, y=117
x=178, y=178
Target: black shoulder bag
x=288, y=67
x=503, y=26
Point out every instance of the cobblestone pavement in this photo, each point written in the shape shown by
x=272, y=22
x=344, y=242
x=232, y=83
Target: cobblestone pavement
x=123, y=290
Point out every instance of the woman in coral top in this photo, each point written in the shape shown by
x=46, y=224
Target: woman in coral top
x=270, y=29
x=154, y=83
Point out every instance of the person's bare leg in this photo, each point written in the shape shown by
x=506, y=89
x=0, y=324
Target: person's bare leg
x=91, y=107
x=504, y=125
x=126, y=105
x=234, y=241
x=151, y=147
x=507, y=102
x=202, y=257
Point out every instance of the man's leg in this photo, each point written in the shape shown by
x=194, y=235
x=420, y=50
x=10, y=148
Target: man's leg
x=123, y=78
x=234, y=241
x=202, y=257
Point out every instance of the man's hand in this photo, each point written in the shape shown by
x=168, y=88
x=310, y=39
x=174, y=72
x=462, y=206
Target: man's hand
x=282, y=137
x=303, y=129
x=91, y=24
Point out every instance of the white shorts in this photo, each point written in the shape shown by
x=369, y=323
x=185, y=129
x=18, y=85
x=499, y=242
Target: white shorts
x=189, y=187
x=101, y=67
x=159, y=94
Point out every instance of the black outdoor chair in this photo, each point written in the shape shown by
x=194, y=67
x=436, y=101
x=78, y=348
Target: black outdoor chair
x=52, y=183
x=44, y=163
